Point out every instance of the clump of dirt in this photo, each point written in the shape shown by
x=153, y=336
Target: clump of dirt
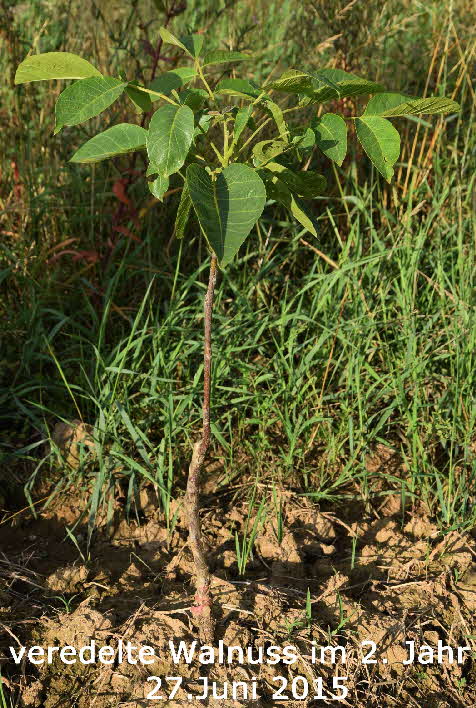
x=368, y=584
x=73, y=438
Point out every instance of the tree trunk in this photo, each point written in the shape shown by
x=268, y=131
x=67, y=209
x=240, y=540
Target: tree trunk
x=202, y=608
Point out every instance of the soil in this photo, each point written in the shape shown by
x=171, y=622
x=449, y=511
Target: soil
x=322, y=578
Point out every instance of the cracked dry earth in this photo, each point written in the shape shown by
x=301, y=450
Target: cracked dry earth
x=340, y=578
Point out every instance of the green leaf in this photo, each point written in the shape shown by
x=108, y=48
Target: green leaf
x=118, y=140
x=243, y=115
x=227, y=207
x=267, y=150
x=326, y=85
x=276, y=113
x=151, y=170
x=380, y=141
x=183, y=212
x=140, y=99
x=170, y=137
x=392, y=105
x=85, y=99
x=293, y=81
x=169, y=38
x=281, y=193
x=194, y=98
x=307, y=183
x=221, y=56
x=159, y=186
x=170, y=80
x=54, y=65
x=331, y=136
x=192, y=44
x=237, y=87
x=203, y=125
x=306, y=141
x=332, y=84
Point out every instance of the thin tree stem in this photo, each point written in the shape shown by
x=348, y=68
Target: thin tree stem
x=202, y=609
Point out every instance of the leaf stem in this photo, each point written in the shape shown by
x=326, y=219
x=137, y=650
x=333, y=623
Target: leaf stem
x=204, y=81
x=156, y=93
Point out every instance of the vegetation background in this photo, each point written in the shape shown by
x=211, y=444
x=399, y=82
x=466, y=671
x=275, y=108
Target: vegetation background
x=324, y=348
x=327, y=352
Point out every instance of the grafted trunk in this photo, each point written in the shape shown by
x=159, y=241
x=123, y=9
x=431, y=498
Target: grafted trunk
x=202, y=608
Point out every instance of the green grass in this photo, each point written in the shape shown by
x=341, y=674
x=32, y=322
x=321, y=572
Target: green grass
x=315, y=365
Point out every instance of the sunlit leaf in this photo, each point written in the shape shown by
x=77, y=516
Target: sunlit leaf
x=118, y=140
x=85, y=99
x=192, y=44
x=221, y=56
x=238, y=87
x=267, y=150
x=325, y=85
x=54, y=65
x=292, y=81
x=227, y=207
x=276, y=113
x=169, y=38
x=331, y=84
x=392, y=105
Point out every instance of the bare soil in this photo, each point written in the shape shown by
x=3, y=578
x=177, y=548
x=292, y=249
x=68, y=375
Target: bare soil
x=337, y=577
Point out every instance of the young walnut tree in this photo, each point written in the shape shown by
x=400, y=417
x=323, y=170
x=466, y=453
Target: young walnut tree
x=207, y=135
